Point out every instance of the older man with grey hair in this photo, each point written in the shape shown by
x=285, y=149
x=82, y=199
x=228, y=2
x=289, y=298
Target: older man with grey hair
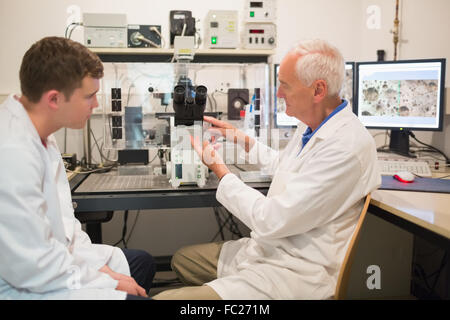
x=299, y=231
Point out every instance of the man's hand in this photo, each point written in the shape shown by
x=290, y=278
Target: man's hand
x=210, y=157
x=230, y=132
x=126, y=283
x=131, y=287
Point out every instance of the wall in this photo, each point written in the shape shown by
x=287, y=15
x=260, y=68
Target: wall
x=424, y=28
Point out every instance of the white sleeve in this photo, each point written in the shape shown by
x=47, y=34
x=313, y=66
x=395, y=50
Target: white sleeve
x=97, y=255
x=310, y=198
x=31, y=257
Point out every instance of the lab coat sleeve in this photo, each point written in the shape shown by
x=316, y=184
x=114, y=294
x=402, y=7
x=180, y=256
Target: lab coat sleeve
x=97, y=255
x=32, y=259
x=311, y=198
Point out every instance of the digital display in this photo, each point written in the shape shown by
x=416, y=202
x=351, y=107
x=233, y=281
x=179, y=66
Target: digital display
x=256, y=4
x=256, y=30
x=404, y=94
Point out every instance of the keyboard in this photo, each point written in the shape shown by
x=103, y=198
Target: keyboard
x=254, y=176
x=389, y=167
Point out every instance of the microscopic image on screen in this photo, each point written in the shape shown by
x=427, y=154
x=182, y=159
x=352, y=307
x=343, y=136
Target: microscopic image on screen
x=408, y=98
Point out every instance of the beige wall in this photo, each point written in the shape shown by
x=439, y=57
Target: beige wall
x=425, y=29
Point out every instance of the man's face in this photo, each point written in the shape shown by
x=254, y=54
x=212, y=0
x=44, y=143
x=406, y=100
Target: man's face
x=76, y=111
x=298, y=97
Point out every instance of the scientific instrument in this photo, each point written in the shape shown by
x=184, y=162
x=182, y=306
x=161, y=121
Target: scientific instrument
x=221, y=29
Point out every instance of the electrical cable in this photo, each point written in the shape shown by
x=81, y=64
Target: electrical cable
x=227, y=222
x=75, y=24
x=124, y=231
x=447, y=160
x=128, y=95
x=238, y=167
x=219, y=223
x=134, y=225
x=163, y=44
x=83, y=164
x=140, y=37
x=102, y=156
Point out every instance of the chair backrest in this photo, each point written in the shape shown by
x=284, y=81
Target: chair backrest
x=344, y=273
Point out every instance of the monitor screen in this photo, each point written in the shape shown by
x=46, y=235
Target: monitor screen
x=283, y=120
x=400, y=94
x=347, y=88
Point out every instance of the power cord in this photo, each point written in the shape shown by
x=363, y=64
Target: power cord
x=163, y=41
x=419, y=271
x=124, y=231
x=447, y=160
x=75, y=24
x=227, y=222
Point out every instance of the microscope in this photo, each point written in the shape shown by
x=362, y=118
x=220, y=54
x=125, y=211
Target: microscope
x=186, y=167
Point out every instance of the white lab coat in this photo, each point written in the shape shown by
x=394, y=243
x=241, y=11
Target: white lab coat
x=44, y=254
x=301, y=230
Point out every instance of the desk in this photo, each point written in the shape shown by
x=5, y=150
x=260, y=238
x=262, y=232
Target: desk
x=427, y=216
x=162, y=198
x=422, y=213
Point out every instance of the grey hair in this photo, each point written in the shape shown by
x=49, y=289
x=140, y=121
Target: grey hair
x=320, y=60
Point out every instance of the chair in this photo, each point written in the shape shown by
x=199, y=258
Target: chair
x=344, y=273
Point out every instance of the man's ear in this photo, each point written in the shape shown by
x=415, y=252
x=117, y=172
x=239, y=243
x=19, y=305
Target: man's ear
x=52, y=98
x=320, y=90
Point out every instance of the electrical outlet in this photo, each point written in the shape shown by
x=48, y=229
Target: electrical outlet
x=117, y=121
x=116, y=93
x=116, y=105
x=436, y=165
x=117, y=133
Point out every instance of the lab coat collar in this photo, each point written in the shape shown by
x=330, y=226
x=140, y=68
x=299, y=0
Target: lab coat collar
x=334, y=123
x=329, y=128
x=17, y=109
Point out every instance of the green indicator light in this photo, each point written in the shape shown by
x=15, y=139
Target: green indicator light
x=213, y=40
x=252, y=14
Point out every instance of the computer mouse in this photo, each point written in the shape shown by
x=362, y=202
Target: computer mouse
x=404, y=176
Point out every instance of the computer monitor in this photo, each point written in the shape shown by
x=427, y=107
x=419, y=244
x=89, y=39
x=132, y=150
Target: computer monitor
x=400, y=96
x=348, y=88
x=283, y=120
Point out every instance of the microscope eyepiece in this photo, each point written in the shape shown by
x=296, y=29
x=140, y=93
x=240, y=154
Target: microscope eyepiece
x=188, y=103
x=200, y=95
x=178, y=94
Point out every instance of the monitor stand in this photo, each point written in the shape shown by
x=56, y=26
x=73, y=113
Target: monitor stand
x=399, y=143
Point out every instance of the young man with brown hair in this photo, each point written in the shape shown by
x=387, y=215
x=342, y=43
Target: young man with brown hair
x=44, y=254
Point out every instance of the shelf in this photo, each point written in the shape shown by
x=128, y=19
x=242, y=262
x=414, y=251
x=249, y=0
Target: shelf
x=165, y=55
x=155, y=51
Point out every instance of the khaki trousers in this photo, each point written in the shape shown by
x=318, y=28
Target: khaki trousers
x=194, y=265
